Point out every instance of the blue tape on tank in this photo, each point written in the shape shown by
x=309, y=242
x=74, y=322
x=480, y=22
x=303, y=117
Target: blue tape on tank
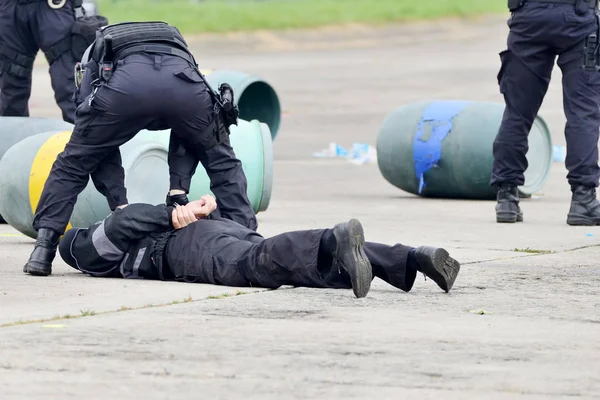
x=438, y=118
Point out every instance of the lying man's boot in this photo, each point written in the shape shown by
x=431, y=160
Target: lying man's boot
x=40, y=261
x=350, y=253
x=507, y=209
x=437, y=264
x=585, y=207
x=180, y=199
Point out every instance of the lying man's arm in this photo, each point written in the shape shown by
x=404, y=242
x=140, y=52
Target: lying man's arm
x=99, y=249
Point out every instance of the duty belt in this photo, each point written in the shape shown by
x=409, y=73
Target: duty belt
x=77, y=5
x=153, y=48
x=591, y=4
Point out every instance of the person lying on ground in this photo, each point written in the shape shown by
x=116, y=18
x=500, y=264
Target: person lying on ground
x=184, y=243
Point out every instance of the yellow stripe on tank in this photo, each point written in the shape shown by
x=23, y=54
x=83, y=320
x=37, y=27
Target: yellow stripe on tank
x=42, y=164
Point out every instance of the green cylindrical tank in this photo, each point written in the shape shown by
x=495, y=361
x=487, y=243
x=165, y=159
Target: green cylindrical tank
x=256, y=98
x=444, y=149
x=15, y=129
x=252, y=144
x=25, y=168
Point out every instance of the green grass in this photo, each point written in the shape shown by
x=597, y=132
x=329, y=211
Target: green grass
x=533, y=251
x=246, y=15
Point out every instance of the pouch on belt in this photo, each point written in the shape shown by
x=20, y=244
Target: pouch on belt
x=84, y=30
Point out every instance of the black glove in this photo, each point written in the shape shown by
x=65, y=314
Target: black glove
x=180, y=199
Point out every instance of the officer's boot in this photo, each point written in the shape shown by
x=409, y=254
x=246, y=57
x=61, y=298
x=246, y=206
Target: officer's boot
x=40, y=261
x=507, y=209
x=585, y=207
x=180, y=199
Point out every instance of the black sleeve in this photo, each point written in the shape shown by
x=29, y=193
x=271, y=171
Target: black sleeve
x=136, y=221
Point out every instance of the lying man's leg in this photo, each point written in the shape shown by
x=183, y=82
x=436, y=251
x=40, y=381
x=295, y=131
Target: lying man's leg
x=398, y=265
x=221, y=252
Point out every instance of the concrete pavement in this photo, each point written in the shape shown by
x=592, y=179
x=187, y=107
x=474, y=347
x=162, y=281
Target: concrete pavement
x=523, y=319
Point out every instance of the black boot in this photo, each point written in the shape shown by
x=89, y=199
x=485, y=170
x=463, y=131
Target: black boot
x=180, y=199
x=437, y=264
x=507, y=209
x=40, y=261
x=585, y=207
x=350, y=253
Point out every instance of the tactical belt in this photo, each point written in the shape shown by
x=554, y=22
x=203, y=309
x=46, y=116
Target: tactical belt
x=155, y=49
x=76, y=3
x=591, y=4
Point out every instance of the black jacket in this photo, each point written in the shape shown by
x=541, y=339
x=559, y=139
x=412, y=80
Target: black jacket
x=128, y=243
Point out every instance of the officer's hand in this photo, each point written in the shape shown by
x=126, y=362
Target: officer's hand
x=182, y=216
x=203, y=207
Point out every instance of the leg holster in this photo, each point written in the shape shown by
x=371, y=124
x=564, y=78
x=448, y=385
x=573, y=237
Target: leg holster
x=82, y=35
x=15, y=63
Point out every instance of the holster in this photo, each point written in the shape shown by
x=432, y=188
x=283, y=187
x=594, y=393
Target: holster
x=220, y=129
x=83, y=33
x=591, y=49
x=15, y=63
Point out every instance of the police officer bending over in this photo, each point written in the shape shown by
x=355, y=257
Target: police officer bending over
x=540, y=30
x=170, y=243
x=141, y=75
x=63, y=32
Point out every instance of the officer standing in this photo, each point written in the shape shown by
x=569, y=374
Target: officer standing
x=61, y=29
x=541, y=30
x=141, y=75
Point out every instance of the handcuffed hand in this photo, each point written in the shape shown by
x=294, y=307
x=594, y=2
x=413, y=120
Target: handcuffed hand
x=182, y=216
x=203, y=207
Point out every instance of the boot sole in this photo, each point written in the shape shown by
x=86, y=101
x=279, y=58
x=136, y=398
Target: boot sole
x=350, y=250
x=437, y=264
x=581, y=220
x=37, y=272
x=31, y=270
x=509, y=217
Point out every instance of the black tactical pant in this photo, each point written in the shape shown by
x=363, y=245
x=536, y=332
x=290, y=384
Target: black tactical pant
x=24, y=29
x=145, y=90
x=538, y=33
x=222, y=252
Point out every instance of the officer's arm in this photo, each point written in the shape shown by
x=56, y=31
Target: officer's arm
x=136, y=221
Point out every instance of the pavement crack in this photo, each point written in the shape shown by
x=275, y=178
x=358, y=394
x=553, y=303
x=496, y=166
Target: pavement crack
x=90, y=313
x=523, y=254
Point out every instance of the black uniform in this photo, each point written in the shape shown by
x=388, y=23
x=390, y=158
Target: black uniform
x=154, y=83
x=29, y=25
x=139, y=242
x=541, y=30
